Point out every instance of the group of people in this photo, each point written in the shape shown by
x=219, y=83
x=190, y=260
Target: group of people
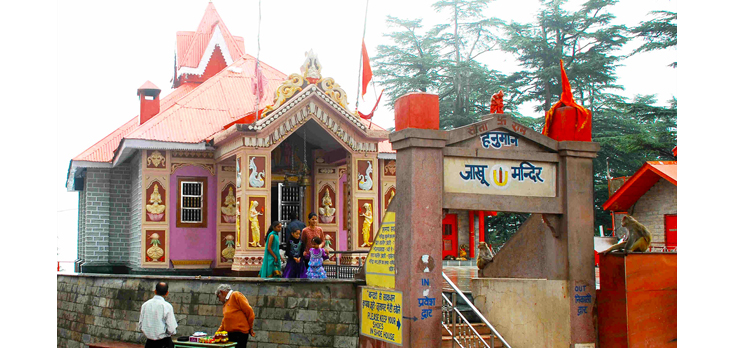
x=303, y=246
x=158, y=322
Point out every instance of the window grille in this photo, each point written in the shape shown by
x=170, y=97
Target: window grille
x=191, y=202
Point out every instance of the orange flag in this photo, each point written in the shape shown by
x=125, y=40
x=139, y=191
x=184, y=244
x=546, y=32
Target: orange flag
x=366, y=70
x=567, y=120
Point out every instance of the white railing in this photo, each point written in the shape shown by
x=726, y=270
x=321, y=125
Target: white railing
x=461, y=331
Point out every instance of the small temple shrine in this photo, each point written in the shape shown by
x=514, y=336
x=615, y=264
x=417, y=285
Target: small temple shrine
x=194, y=180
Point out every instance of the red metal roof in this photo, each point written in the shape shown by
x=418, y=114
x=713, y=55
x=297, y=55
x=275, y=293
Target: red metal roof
x=148, y=85
x=103, y=150
x=190, y=45
x=385, y=147
x=639, y=183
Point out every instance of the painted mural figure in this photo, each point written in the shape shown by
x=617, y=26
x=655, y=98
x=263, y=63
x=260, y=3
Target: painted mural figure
x=328, y=243
x=367, y=225
x=326, y=211
x=156, y=159
x=230, y=249
x=155, y=252
x=229, y=207
x=255, y=179
x=155, y=207
x=365, y=181
x=238, y=226
x=255, y=224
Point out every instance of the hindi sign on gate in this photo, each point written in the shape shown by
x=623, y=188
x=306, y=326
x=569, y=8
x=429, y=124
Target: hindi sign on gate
x=499, y=177
x=380, y=266
x=381, y=314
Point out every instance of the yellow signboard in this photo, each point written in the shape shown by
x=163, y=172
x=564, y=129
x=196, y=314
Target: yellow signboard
x=499, y=177
x=381, y=314
x=380, y=266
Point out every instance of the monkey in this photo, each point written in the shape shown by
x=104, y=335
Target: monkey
x=638, y=237
x=485, y=257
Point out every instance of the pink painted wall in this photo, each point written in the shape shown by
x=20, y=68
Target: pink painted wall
x=193, y=243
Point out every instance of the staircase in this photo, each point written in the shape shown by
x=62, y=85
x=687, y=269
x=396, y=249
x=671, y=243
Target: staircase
x=463, y=325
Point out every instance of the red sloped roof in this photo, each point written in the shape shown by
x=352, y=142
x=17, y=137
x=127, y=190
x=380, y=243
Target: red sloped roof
x=190, y=46
x=639, y=183
x=385, y=147
x=218, y=101
x=104, y=150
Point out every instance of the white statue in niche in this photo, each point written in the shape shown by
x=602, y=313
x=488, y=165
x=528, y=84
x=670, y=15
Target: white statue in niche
x=326, y=211
x=255, y=179
x=238, y=175
x=365, y=181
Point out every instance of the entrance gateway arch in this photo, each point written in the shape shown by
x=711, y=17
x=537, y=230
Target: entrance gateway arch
x=496, y=164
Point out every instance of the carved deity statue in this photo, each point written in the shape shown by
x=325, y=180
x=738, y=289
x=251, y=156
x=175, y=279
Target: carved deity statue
x=328, y=243
x=326, y=212
x=155, y=208
x=229, y=207
x=311, y=67
x=155, y=252
x=156, y=159
x=367, y=225
x=255, y=225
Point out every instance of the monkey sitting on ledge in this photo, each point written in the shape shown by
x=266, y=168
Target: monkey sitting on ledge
x=485, y=257
x=638, y=237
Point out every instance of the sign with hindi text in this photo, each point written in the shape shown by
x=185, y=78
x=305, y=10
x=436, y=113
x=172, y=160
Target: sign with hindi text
x=381, y=314
x=499, y=177
x=380, y=264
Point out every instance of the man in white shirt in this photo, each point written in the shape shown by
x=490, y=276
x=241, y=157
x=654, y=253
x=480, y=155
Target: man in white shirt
x=157, y=320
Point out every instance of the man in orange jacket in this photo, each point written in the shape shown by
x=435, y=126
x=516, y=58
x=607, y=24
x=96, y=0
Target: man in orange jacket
x=238, y=315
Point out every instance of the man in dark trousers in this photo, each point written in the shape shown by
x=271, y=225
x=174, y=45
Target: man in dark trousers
x=157, y=320
x=292, y=226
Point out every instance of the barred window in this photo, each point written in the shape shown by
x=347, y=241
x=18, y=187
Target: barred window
x=192, y=202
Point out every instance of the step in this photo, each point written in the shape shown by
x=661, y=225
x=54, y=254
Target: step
x=481, y=328
x=447, y=342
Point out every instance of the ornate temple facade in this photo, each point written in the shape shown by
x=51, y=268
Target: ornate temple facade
x=194, y=180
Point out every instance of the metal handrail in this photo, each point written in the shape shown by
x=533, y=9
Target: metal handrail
x=456, y=310
x=474, y=309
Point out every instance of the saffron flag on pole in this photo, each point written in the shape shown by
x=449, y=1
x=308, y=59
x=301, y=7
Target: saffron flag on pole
x=369, y=116
x=567, y=120
x=366, y=70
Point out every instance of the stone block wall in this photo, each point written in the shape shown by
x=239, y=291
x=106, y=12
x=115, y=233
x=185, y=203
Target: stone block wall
x=651, y=208
x=97, y=215
x=135, y=203
x=289, y=313
x=120, y=219
x=81, y=225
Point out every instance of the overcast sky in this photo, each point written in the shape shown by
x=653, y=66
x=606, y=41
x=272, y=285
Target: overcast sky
x=106, y=50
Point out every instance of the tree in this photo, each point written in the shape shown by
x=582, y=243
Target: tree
x=629, y=134
x=584, y=39
x=658, y=33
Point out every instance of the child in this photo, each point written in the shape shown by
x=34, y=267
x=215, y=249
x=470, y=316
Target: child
x=294, y=266
x=316, y=255
x=271, y=263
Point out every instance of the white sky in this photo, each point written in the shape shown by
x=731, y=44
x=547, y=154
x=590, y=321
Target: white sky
x=106, y=50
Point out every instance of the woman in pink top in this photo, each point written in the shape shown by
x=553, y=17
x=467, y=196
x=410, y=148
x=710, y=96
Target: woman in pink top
x=307, y=237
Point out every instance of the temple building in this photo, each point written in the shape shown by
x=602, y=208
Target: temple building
x=194, y=180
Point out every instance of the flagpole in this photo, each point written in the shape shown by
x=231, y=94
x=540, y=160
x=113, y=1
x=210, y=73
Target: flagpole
x=257, y=64
x=359, y=74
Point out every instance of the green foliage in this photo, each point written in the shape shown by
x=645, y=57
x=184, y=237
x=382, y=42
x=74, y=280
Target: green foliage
x=499, y=228
x=658, y=33
x=586, y=41
x=629, y=134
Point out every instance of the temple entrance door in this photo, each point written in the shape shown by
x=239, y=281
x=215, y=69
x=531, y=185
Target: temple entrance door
x=670, y=231
x=450, y=236
x=287, y=199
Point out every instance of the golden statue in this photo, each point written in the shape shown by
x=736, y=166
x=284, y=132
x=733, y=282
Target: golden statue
x=255, y=225
x=326, y=212
x=462, y=253
x=155, y=205
x=238, y=226
x=155, y=252
x=229, y=206
x=366, y=226
x=393, y=193
x=229, y=250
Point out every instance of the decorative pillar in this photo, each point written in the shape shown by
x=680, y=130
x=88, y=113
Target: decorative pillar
x=253, y=201
x=418, y=256
x=578, y=226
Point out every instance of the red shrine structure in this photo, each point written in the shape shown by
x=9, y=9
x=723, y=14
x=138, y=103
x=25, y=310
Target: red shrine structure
x=195, y=179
